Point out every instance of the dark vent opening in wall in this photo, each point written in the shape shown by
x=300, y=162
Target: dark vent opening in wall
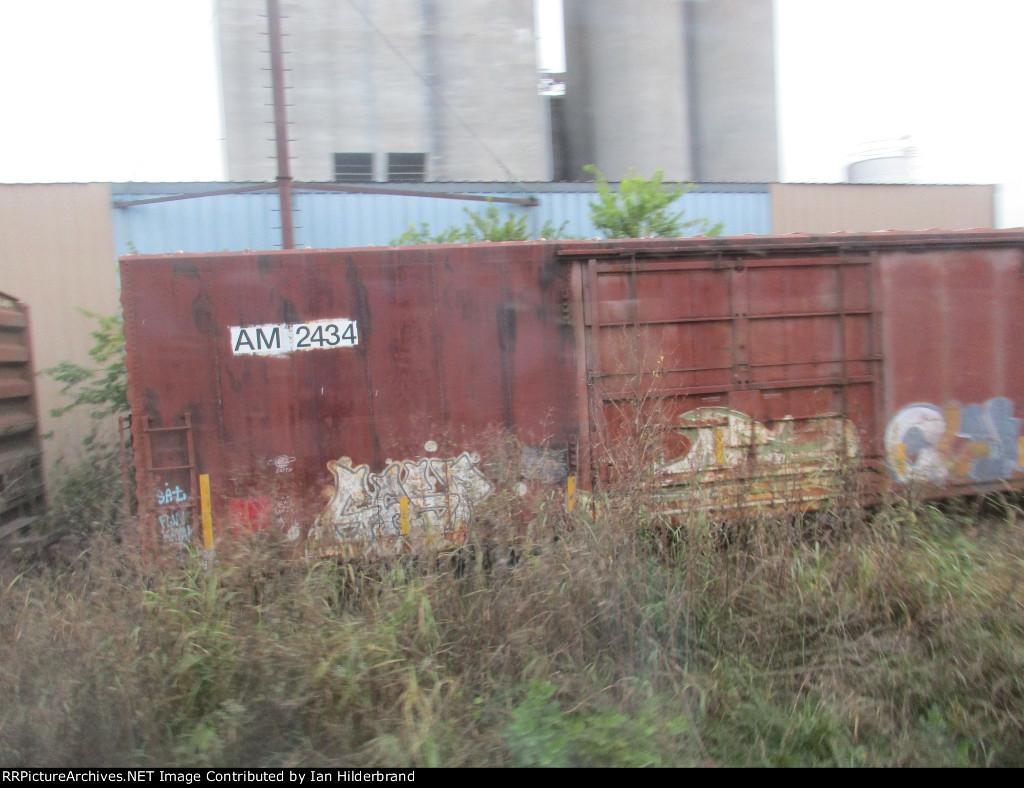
x=407, y=167
x=353, y=167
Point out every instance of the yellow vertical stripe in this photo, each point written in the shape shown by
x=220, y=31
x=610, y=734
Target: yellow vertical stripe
x=570, y=493
x=204, y=508
x=403, y=509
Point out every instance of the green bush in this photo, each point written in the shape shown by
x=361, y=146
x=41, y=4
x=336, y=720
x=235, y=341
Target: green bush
x=88, y=492
x=640, y=208
x=486, y=226
x=102, y=391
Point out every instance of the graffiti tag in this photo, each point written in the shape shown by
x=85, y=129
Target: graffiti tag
x=978, y=442
x=425, y=501
x=722, y=439
x=282, y=463
x=176, y=527
x=734, y=460
x=167, y=495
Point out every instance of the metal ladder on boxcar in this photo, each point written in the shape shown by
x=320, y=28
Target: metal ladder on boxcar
x=176, y=509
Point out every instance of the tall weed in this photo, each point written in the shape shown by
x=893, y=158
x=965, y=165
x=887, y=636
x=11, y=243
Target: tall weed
x=596, y=641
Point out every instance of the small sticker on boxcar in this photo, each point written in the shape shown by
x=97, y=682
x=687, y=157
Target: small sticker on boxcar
x=275, y=339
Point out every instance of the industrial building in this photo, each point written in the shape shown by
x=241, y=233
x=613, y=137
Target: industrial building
x=449, y=90
x=395, y=90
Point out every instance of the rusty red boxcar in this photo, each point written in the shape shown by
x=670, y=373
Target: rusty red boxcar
x=356, y=398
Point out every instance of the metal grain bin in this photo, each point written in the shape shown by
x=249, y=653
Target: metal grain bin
x=368, y=397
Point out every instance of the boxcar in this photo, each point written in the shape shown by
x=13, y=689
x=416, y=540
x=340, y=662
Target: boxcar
x=22, y=498
x=366, y=399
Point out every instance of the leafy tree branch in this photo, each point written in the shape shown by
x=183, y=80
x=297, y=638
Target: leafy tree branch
x=488, y=225
x=641, y=208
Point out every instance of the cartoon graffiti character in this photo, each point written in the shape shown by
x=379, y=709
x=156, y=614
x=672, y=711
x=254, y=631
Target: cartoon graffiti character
x=912, y=444
x=978, y=442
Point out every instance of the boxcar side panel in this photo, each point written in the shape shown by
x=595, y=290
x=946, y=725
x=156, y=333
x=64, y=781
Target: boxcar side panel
x=953, y=344
x=741, y=379
x=374, y=397
x=317, y=390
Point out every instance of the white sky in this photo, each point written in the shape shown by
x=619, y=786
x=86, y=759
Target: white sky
x=120, y=90
x=108, y=90
x=944, y=72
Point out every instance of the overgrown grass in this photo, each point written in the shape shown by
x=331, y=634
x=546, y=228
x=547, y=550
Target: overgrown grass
x=895, y=640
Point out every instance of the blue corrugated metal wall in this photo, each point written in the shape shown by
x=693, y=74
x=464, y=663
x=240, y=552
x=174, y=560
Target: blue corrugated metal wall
x=335, y=220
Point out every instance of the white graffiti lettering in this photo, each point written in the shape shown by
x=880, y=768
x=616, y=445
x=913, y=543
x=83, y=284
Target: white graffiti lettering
x=175, y=527
x=729, y=459
x=725, y=439
x=283, y=513
x=366, y=514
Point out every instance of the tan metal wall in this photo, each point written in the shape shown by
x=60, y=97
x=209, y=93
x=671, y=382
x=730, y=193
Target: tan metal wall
x=850, y=207
x=56, y=256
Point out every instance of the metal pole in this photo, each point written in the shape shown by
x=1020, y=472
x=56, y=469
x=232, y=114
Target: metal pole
x=284, y=177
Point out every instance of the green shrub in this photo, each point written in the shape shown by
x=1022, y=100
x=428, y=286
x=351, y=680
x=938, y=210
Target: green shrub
x=640, y=208
x=486, y=226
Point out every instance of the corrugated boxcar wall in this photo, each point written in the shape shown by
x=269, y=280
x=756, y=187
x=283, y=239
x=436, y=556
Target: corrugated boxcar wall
x=755, y=371
x=786, y=370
